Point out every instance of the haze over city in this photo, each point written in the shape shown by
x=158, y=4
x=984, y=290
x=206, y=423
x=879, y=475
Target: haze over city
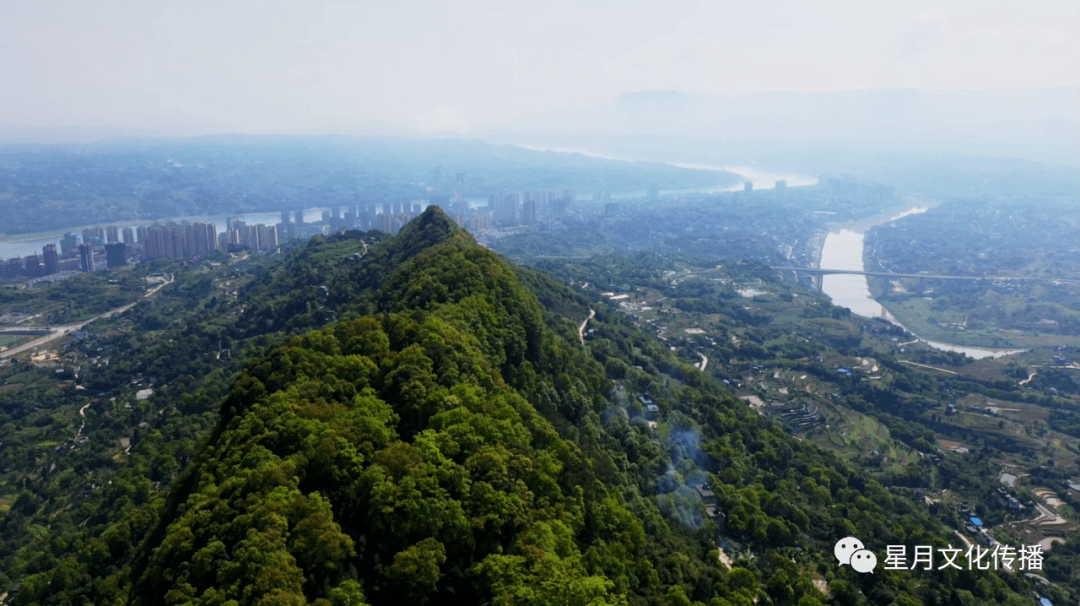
x=85, y=70
x=582, y=303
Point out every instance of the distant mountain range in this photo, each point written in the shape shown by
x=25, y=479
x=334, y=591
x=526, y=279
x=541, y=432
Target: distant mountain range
x=1032, y=124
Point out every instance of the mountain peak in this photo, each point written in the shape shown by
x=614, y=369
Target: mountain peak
x=432, y=227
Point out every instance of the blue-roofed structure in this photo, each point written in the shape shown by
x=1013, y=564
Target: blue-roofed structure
x=977, y=522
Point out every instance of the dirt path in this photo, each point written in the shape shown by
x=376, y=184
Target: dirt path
x=82, y=413
x=928, y=366
x=963, y=538
x=581, y=329
x=1048, y=542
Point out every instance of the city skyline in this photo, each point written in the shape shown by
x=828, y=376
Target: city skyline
x=185, y=239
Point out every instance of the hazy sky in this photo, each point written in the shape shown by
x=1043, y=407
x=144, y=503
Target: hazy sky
x=194, y=67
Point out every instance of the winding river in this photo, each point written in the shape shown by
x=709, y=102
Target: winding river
x=843, y=249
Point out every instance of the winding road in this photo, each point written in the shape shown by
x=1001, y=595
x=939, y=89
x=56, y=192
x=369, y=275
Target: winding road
x=82, y=413
x=581, y=329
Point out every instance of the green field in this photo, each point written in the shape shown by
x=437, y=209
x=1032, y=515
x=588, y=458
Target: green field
x=855, y=435
x=915, y=313
x=10, y=340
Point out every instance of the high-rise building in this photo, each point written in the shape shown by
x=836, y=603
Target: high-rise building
x=33, y=266
x=479, y=221
x=285, y=226
x=264, y=238
x=298, y=218
x=459, y=207
x=211, y=236
x=112, y=234
x=188, y=240
x=68, y=245
x=129, y=237
x=505, y=207
x=386, y=222
x=249, y=237
x=271, y=242
x=52, y=260
x=528, y=214
x=12, y=268
x=748, y=186
x=781, y=184
x=174, y=241
x=115, y=254
x=86, y=257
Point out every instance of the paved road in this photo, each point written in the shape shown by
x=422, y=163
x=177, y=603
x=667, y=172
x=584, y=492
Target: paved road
x=581, y=329
x=60, y=331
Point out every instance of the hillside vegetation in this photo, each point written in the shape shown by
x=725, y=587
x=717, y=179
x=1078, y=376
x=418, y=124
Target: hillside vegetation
x=434, y=432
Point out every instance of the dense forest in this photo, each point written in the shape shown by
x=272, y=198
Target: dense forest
x=420, y=423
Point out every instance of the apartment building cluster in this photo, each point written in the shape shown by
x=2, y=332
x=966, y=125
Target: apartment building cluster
x=111, y=246
x=388, y=216
x=509, y=209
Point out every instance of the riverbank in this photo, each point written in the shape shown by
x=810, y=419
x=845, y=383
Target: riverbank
x=844, y=248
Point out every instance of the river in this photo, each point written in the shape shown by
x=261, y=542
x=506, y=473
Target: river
x=843, y=249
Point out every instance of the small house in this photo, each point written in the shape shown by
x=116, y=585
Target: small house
x=707, y=495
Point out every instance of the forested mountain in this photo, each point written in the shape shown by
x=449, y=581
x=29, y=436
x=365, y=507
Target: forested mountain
x=436, y=432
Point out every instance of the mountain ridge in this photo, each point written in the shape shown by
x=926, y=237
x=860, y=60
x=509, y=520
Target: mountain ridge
x=449, y=438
